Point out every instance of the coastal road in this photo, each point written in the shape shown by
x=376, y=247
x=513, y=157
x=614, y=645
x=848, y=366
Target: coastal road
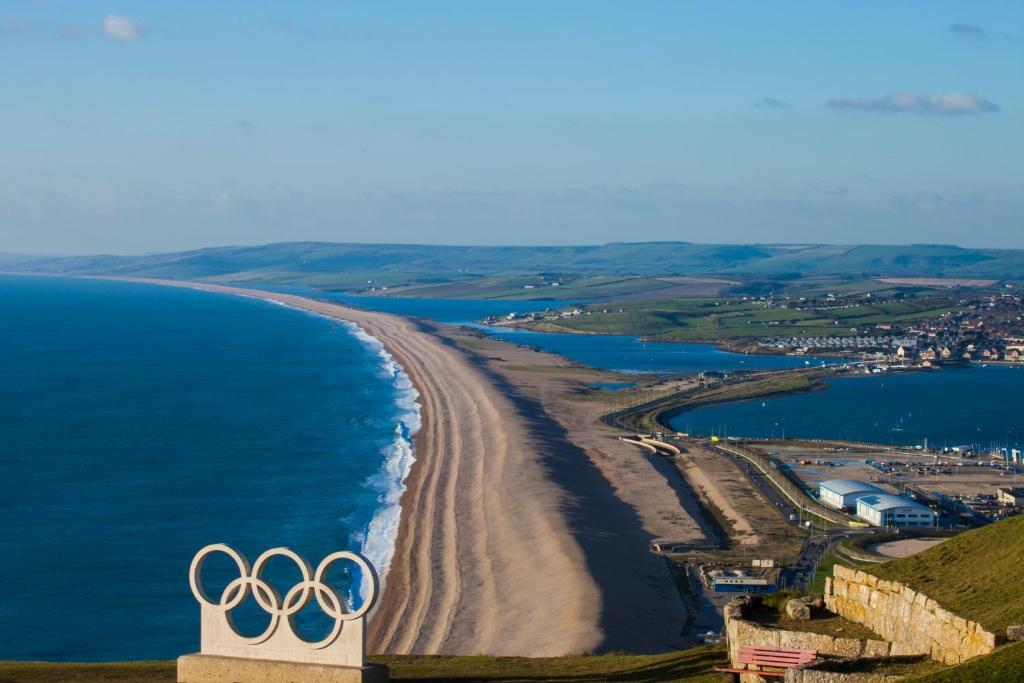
x=818, y=540
x=783, y=505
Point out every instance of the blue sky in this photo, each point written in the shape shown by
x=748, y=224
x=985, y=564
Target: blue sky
x=137, y=126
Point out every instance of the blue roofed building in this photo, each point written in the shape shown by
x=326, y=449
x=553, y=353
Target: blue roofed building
x=886, y=510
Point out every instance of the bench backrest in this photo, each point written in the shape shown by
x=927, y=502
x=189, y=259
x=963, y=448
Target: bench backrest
x=778, y=657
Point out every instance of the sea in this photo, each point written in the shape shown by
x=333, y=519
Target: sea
x=139, y=423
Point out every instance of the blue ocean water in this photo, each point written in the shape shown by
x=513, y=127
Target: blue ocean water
x=976, y=406
x=139, y=423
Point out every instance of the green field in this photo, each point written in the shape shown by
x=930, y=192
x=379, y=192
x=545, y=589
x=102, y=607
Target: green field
x=693, y=320
x=537, y=286
x=694, y=665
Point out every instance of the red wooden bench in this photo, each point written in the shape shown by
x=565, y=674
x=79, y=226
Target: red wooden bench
x=780, y=658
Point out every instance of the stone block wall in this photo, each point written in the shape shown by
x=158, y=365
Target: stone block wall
x=810, y=675
x=740, y=631
x=913, y=622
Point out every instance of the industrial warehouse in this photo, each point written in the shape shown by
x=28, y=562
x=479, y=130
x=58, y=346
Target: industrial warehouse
x=949, y=488
x=873, y=505
x=842, y=494
x=883, y=509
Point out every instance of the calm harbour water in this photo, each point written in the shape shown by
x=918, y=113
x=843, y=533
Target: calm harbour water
x=976, y=406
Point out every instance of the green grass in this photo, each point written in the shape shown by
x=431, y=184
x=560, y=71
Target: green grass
x=695, y=665
x=825, y=564
x=540, y=287
x=717, y=319
x=42, y=672
x=688, y=665
x=976, y=574
x=1005, y=664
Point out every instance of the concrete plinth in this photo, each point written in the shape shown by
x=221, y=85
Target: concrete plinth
x=215, y=669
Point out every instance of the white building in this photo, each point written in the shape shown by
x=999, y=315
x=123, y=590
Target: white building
x=1011, y=496
x=883, y=509
x=842, y=494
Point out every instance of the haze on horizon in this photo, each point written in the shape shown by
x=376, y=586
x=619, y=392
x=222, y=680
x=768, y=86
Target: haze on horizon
x=145, y=126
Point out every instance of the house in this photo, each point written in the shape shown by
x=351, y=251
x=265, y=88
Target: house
x=885, y=510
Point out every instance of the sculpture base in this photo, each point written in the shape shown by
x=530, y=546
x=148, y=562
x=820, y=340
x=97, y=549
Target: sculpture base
x=215, y=669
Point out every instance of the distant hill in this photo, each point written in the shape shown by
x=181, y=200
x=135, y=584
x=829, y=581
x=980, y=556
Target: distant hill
x=321, y=263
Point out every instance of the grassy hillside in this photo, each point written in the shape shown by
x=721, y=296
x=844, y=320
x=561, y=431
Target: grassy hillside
x=1005, y=664
x=397, y=265
x=975, y=574
x=694, y=665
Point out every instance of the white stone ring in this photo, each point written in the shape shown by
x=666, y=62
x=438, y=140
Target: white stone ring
x=297, y=597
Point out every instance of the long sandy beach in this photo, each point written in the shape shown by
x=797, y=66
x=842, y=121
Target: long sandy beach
x=485, y=561
x=515, y=537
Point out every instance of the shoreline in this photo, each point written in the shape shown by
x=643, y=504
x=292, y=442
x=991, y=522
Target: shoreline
x=739, y=346
x=381, y=533
x=483, y=536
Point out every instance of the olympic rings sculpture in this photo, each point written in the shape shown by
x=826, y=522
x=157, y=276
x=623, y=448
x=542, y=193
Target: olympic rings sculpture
x=281, y=610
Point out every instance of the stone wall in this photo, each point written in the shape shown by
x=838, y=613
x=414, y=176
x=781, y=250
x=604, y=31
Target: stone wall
x=740, y=631
x=810, y=675
x=914, y=623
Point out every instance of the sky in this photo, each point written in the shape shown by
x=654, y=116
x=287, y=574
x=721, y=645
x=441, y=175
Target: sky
x=134, y=126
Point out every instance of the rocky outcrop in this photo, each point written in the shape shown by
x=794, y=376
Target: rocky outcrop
x=913, y=622
x=801, y=609
x=1015, y=633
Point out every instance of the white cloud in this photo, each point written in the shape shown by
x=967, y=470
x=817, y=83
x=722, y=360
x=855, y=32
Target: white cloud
x=968, y=31
x=948, y=104
x=771, y=103
x=121, y=28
